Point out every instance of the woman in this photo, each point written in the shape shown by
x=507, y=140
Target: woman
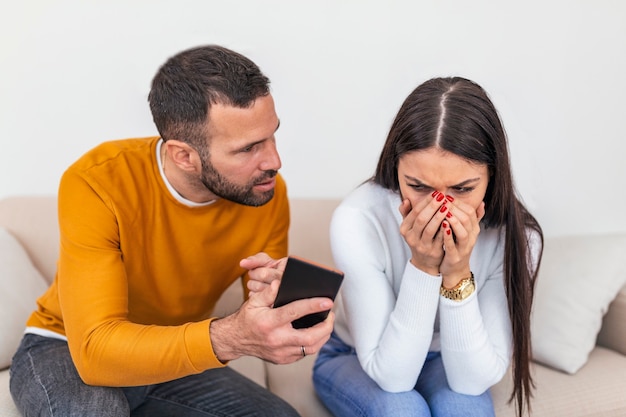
x=440, y=258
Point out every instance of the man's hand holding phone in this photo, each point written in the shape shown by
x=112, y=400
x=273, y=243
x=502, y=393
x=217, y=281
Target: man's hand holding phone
x=258, y=329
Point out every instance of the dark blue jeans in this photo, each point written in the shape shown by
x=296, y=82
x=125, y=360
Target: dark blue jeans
x=44, y=382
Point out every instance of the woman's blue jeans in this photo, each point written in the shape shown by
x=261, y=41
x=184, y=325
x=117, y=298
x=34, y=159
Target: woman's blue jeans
x=348, y=391
x=44, y=382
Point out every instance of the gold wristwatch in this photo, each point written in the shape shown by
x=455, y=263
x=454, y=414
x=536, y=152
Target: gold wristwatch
x=461, y=291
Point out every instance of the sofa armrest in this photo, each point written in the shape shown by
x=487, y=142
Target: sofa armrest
x=613, y=332
x=33, y=221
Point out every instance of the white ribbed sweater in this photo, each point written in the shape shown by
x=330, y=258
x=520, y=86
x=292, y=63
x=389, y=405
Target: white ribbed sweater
x=392, y=313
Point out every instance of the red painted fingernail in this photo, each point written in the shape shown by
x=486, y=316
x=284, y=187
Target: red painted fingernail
x=434, y=194
x=448, y=231
x=449, y=198
x=444, y=225
x=443, y=208
x=449, y=214
x=440, y=197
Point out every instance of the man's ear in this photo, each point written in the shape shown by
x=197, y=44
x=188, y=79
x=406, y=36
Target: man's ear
x=183, y=155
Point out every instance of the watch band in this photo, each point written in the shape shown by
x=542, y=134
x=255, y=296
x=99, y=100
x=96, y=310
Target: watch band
x=461, y=291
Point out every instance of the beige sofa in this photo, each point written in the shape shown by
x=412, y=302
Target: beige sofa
x=596, y=389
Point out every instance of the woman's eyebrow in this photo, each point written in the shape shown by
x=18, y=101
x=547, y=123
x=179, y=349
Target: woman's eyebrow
x=461, y=184
x=413, y=179
x=466, y=182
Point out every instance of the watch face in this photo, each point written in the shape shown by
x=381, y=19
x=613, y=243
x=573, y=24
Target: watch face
x=467, y=291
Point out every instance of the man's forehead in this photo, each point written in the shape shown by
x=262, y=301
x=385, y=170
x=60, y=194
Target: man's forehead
x=256, y=122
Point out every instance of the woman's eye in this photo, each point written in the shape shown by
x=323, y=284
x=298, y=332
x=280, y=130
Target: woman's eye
x=463, y=190
x=419, y=187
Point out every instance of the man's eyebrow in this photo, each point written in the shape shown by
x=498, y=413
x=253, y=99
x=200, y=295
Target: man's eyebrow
x=261, y=140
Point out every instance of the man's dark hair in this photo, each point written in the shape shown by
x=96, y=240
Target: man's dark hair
x=186, y=86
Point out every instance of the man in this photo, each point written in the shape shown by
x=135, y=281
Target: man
x=153, y=231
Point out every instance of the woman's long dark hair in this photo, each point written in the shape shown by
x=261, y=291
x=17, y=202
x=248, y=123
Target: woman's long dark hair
x=456, y=115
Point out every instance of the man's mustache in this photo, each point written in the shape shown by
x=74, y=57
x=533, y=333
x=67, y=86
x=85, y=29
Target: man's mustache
x=267, y=175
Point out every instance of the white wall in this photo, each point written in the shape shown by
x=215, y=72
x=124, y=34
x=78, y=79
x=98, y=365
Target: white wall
x=76, y=73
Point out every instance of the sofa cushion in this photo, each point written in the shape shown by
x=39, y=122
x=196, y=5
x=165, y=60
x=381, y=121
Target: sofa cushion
x=613, y=333
x=309, y=231
x=33, y=221
x=7, y=408
x=597, y=390
x=20, y=286
x=578, y=280
x=301, y=395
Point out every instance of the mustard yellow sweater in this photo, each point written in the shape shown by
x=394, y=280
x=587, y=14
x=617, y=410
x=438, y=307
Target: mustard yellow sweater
x=139, y=273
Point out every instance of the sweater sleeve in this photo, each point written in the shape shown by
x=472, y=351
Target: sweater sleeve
x=476, y=336
x=106, y=347
x=391, y=333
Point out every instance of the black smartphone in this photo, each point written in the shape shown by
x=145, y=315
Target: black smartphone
x=306, y=279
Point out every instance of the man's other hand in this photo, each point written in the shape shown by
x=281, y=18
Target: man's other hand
x=262, y=270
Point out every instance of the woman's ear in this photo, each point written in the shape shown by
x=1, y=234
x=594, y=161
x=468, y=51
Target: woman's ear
x=480, y=211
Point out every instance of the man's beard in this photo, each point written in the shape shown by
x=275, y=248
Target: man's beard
x=222, y=187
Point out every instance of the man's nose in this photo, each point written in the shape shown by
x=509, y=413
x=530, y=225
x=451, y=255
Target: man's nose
x=271, y=161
